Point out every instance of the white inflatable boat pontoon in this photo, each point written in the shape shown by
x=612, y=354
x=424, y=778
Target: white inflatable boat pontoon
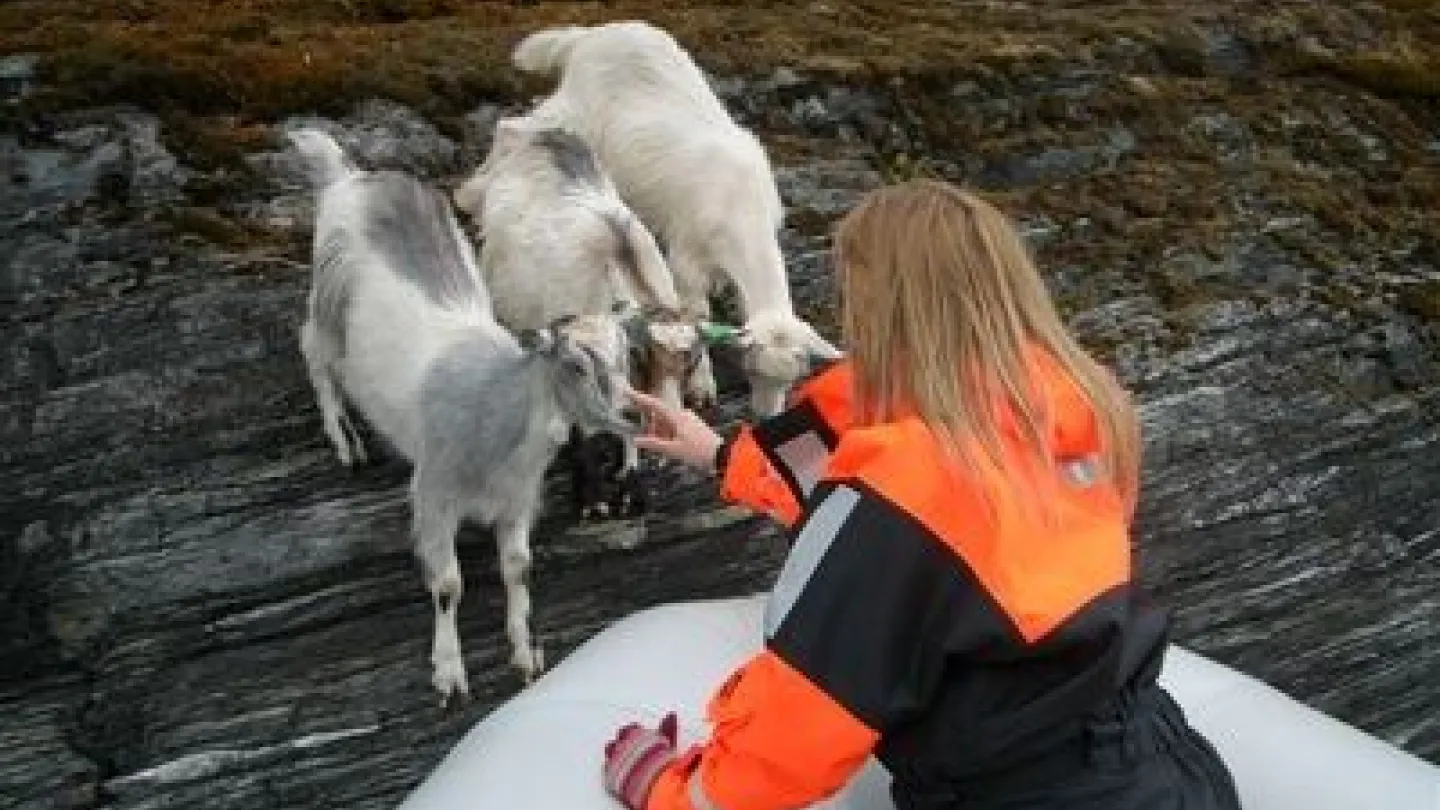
x=542, y=749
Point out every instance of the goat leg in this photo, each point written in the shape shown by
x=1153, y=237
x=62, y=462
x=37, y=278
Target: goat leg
x=575, y=457
x=357, y=445
x=434, y=527
x=629, y=498
x=512, y=536
x=319, y=352
x=597, y=473
x=701, y=392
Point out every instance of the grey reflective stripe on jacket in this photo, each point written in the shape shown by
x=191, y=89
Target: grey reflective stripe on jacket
x=808, y=550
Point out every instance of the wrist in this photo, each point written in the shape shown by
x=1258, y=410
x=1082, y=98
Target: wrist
x=634, y=780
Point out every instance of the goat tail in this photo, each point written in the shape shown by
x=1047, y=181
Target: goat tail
x=324, y=159
x=546, y=52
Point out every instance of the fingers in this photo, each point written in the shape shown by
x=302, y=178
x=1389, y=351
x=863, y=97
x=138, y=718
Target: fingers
x=658, y=410
x=657, y=444
x=679, y=434
x=622, y=737
x=658, y=416
x=642, y=398
x=652, y=405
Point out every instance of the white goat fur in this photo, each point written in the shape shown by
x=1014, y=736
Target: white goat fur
x=400, y=320
x=702, y=183
x=558, y=240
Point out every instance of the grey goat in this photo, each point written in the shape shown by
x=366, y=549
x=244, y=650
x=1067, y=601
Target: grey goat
x=401, y=322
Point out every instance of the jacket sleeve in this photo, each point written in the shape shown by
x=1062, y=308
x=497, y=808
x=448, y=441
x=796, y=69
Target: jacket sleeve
x=773, y=466
x=777, y=742
x=846, y=657
x=748, y=478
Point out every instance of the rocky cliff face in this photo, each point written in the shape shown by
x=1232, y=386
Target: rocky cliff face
x=198, y=606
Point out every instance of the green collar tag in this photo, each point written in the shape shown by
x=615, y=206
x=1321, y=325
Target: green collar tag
x=714, y=334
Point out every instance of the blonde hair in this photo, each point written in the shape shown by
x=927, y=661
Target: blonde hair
x=942, y=306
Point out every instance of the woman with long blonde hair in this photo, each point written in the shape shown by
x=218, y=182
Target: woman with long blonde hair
x=959, y=599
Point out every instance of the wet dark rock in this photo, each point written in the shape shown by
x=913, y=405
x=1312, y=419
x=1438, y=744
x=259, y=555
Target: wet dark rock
x=1226, y=54
x=105, y=156
x=1048, y=166
x=378, y=135
x=39, y=766
x=1283, y=479
x=1056, y=163
x=826, y=187
x=787, y=100
x=17, y=76
x=1225, y=134
x=200, y=608
x=1207, y=50
x=479, y=127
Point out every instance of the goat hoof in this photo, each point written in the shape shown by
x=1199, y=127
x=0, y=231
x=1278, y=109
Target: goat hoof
x=449, y=679
x=631, y=504
x=599, y=510
x=461, y=697
x=352, y=455
x=530, y=662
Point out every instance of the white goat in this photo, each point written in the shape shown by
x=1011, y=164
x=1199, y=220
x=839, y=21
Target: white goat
x=702, y=183
x=399, y=319
x=558, y=240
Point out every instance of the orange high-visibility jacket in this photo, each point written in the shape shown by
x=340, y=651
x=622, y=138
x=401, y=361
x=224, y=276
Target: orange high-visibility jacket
x=909, y=621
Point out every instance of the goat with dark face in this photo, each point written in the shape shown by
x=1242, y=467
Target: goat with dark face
x=601, y=483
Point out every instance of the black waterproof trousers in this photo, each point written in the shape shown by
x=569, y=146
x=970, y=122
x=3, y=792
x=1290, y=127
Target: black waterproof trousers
x=1141, y=756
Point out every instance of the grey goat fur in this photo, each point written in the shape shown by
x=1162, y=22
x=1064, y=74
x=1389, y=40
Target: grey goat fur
x=399, y=319
x=557, y=239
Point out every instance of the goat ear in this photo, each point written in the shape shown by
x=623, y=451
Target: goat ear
x=536, y=340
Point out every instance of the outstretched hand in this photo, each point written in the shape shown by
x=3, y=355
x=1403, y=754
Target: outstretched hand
x=677, y=433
